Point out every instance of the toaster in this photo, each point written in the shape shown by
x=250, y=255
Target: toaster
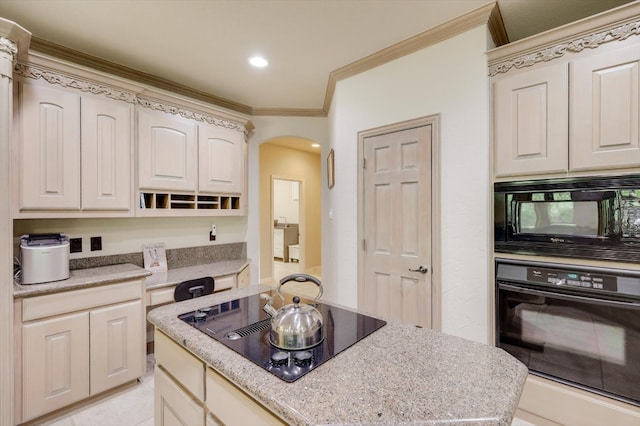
x=45, y=258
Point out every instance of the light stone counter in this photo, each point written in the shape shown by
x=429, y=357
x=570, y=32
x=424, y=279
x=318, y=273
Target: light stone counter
x=215, y=269
x=398, y=375
x=81, y=278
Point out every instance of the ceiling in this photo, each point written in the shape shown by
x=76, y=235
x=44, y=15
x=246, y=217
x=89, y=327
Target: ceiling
x=205, y=44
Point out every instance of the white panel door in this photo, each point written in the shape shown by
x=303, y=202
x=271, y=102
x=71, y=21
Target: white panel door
x=167, y=152
x=531, y=121
x=106, y=154
x=397, y=226
x=605, y=123
x=117, y=345
x=49, y=149
x=221, y=160
x=55, y=359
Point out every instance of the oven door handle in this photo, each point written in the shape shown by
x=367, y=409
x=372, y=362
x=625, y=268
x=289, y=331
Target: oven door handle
x=592, y=300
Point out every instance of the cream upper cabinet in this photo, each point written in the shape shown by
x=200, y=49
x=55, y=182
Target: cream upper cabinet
x=48, y=149
x=106, y=154
x=531, y=128
x=74, y=153
x=220, y=160
x=167, y=152
x=567, y=101
x=604, y=118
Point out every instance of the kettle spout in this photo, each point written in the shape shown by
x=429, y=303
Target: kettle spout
x=267, y=307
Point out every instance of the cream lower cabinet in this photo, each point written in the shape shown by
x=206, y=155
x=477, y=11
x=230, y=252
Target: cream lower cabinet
x=76, y=344
x=55, y=370
x=188, y=392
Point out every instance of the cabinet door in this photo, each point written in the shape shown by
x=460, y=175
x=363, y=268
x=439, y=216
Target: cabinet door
x=221, y=160
x=55, y=359
x=604, y=109
x=117, y=345
x=173, y=406
x=166, y=152
x=531, y=121
x=49, y=164
x=106, y=154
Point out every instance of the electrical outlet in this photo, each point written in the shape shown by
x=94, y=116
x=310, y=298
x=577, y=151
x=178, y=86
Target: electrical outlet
x=96, y=243
x=75, y=245
x=212, y=233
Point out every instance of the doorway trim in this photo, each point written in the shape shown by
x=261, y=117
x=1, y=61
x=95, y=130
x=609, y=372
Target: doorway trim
x=436, y=284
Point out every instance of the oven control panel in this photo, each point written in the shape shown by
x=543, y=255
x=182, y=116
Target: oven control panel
x=573, y=279
x=588, y=279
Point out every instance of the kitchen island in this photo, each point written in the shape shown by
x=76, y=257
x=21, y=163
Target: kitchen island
x=399, y=374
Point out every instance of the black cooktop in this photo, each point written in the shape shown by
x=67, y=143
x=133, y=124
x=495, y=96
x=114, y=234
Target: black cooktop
x=243, y=326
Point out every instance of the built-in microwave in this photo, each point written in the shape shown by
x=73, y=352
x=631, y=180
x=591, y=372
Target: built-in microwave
x=585, y=217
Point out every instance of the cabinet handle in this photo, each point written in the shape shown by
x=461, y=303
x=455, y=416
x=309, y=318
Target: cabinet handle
x=420, y=269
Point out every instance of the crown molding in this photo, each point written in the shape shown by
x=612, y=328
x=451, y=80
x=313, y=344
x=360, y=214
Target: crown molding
x=418, y=42
x=481, y=16
x=496, y=27
x=614, y=25
x=102, y=65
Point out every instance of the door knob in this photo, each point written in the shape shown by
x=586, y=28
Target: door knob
x=420, y=269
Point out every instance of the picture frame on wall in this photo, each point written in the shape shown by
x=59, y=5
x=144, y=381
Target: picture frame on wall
x=331, y=179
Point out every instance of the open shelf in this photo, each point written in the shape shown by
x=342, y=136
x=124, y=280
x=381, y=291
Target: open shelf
x=164, y=201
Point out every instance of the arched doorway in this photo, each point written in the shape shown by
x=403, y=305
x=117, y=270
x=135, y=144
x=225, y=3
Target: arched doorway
x=290, y=162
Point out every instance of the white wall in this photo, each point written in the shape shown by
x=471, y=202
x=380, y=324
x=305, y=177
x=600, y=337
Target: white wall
x=450, y=79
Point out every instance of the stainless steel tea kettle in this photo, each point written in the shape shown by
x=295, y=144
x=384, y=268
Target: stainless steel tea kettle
x=296, y=326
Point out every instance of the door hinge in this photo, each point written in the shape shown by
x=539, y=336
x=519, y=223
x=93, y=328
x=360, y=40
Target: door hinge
x=364, y=244
x=364, y=163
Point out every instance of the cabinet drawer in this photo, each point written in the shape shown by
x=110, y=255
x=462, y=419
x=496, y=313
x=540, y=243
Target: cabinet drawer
x=158, y=297
x=225, y=283
x=172, y=406
x=234, y=407
x=184, y=367
x=76, y=300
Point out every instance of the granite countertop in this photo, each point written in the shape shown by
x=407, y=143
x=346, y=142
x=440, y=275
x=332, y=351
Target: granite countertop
x=177, y=275
x=81, y=278
x=400, y=374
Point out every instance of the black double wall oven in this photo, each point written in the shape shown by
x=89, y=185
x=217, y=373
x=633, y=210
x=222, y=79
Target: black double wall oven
x=568, y=322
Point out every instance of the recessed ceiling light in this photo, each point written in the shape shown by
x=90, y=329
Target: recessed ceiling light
x=315, y=145
x=258, y=61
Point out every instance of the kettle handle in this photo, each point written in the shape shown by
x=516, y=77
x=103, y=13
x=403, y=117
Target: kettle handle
x=301, y=278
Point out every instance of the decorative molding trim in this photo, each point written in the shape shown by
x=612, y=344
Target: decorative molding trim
x=9, y=47
x=73, y=82
x=546, y=54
